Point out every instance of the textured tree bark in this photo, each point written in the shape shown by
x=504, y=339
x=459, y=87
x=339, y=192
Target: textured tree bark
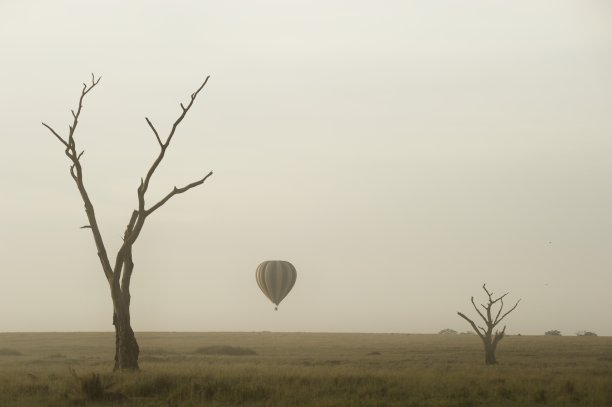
x=126, y=346
x=490, y=354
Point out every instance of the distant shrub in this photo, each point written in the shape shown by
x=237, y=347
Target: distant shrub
x=448, y=331
x=9, y=352
x=553, y=332
x=225, y=350
x=468, y=333
x=585, y=333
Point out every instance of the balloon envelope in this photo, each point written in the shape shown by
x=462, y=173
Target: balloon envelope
x=275, y=279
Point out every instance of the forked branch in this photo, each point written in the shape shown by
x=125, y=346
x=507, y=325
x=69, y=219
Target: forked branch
x=488, y=308
x=164, y=145
x=76, y=172
x=155, y=132
x=139, y=216
x=498, y=320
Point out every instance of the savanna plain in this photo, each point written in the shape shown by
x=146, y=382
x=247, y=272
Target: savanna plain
x=305, y=369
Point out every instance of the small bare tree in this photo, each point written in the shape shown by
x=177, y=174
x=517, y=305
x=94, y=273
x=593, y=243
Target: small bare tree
x=490, y=339
x=119, y=275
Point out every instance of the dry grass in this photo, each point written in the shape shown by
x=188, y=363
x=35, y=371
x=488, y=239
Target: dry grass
x=10, y=352
x=225, y=350
x=307, y=369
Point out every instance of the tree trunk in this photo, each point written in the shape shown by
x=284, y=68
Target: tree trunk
x=126, y=347
x=490, y=353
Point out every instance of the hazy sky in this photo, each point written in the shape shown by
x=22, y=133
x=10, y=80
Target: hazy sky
x=398, y=153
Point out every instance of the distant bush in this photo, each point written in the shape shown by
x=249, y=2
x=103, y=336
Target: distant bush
x=448, y=331
x=9, y=352
x=553, y=332
x=468, y=333
x=585, y=333
x=225, y=350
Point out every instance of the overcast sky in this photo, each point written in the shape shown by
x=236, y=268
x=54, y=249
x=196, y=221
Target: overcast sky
x=398, y=153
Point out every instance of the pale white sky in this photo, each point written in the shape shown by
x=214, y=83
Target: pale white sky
x=398, y=153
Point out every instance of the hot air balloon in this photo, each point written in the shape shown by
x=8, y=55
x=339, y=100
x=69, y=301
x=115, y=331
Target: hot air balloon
x=276, y=278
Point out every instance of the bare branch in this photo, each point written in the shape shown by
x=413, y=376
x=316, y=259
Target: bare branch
x=128, y=268
x=498, y=299
x=76, y=173
x=165, y=145
x=64, y=142
x=471, y=323
x=176, y=191
x=511, y=309
x=501, y=307
x=125, y=252
x=85, y=227
x=144, y=185
x=185, y=110
x=155, y=131
x=490, y=294
x=479, y=313
x=94, y=82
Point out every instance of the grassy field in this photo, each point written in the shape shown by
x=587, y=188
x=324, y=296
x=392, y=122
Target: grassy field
x=305, y=369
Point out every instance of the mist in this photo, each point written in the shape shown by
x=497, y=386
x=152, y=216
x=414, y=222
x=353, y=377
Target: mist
x=398, y=154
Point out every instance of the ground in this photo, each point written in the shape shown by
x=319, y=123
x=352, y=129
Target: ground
x=305, y=369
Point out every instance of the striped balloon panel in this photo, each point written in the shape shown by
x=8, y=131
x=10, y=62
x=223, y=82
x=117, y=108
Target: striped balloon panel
x=275, y=279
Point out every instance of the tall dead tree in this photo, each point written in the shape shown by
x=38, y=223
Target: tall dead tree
x=491, y=319
x=119, y=274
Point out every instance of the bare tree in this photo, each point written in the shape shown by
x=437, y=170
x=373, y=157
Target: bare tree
x=119, y=274
x=491, y=320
